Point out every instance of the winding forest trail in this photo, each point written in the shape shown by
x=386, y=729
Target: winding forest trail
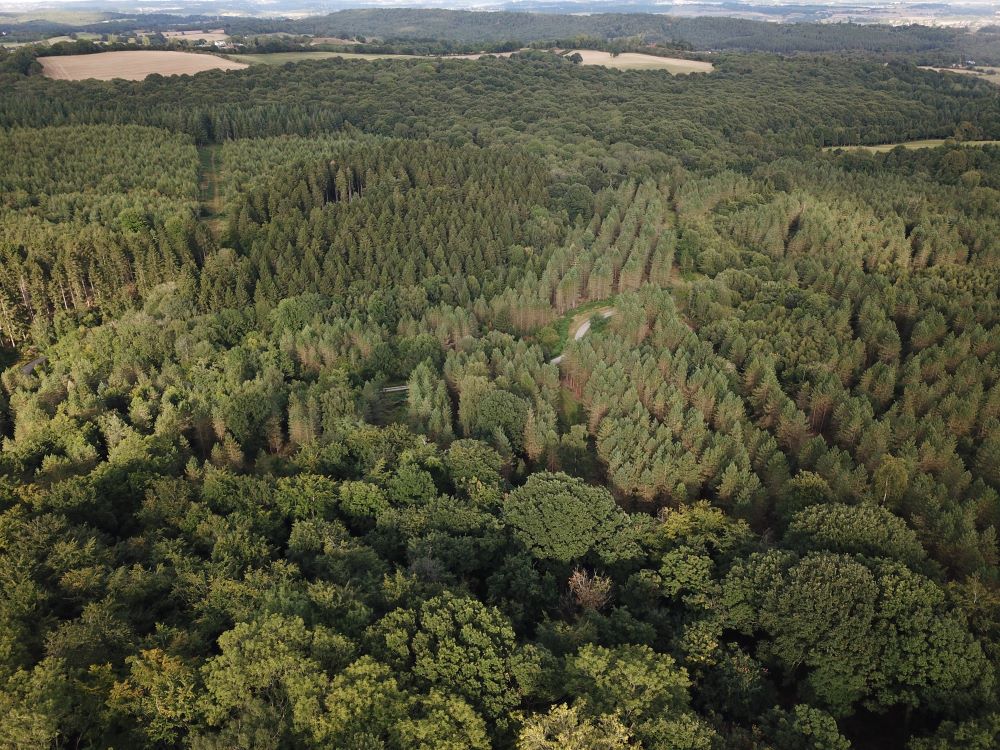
x=212, y=207
x=580, y=326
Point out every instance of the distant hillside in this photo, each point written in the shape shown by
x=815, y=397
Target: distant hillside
x=927, y=43
x=924, y=45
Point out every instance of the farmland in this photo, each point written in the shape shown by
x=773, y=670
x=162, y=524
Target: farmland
x=639, y=61
x=624, y=61
x=924, y=143
x=991, y=74
x=280, y=58
x=218, y=35
x=131, y=65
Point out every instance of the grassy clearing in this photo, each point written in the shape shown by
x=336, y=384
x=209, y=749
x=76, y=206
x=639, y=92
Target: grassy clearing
x=570, y=323
x=212, y=206
x=926, y=143
x=639, y=61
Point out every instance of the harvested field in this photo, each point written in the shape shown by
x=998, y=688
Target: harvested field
x=218, y=35
x=131, y=65
x=280, y=58
x=926, y=143
x=639, y=61
x=985, y=73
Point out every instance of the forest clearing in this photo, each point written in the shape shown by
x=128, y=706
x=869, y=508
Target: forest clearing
x=131, y=65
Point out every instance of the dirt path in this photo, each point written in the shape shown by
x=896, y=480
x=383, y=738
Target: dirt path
x=580, y=326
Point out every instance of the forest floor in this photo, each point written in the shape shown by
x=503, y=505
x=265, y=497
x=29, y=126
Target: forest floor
x=212, y=206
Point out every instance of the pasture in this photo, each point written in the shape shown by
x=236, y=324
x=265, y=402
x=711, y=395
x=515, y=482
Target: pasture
x=639, y=61
x=131, y=65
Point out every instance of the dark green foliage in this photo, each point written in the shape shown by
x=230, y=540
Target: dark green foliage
x=560, y=518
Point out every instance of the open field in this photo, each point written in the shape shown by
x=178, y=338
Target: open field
x=639, y=61
x=50, y=40
x=985, y=73
x=280, y=58
x=218, y=35
x=131, y=65
x=71, y=17
x=926, y=143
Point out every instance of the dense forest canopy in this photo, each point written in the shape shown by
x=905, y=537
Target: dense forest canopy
x=504, y=403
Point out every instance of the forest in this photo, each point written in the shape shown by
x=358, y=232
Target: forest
x=443, y=31
x=501, y=404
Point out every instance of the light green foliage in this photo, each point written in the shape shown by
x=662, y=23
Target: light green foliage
x=160, y=692
x=561, y=519
x=805, y=728
x=646, y=690
x=455, y=644
x=863, y=529
x=445, y=722
x=472, y=464
x=976, y=734
x=568, y=728
x=362, y=500
x=306, y=496
x=265, y=682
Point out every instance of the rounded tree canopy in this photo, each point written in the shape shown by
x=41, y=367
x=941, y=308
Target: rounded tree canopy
x=561, y=518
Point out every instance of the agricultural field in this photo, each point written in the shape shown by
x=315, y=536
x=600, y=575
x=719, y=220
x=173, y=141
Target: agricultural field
x=639, y=61
x=131, y=65
x=217, y=35
x=925, y=143
x=280, y=58
x=987, y=73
